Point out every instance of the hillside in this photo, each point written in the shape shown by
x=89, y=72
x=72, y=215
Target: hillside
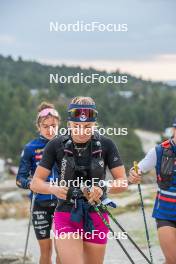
x=136, y=104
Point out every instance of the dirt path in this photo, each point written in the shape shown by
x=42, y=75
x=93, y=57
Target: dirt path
x=148, y=139
x=13, y=234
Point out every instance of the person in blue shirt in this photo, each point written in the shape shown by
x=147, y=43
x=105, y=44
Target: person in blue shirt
x=47, y=122
x=163, y=158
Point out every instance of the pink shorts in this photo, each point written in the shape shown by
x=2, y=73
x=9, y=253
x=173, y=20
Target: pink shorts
x=63, y=225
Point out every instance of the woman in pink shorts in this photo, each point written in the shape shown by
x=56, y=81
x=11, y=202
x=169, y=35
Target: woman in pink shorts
x=82, y=156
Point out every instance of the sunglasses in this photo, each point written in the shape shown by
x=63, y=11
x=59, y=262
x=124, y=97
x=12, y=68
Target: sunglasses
x=83, y=114
x=48, y=111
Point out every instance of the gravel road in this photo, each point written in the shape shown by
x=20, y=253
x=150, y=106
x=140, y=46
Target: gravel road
x=13, y=234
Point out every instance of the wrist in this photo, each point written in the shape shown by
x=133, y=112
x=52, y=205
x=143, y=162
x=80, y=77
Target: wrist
x=105, y=189
x=52, y=189
x=28, y=185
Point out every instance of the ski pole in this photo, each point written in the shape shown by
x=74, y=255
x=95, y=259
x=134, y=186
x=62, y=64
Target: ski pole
x=109, y=227
x=29, y=226
x=144, y=215
x=129, y=237
x=112, y=231
x=104, y=207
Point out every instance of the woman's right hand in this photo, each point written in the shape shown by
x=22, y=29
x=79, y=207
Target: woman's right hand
x=59, y=192
x=134, y=177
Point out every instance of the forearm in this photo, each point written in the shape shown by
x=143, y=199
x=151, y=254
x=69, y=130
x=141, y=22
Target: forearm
x=120, y=182
x=23, y=176
x=37, y=185
x=118, y=185
x=23, y=182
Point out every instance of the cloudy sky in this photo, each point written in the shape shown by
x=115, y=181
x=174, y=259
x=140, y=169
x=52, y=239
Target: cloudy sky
x=148, y=49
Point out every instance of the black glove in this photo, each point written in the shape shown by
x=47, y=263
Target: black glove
x=74, y=193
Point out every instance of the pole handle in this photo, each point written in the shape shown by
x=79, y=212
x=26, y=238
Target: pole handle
x=135, y=165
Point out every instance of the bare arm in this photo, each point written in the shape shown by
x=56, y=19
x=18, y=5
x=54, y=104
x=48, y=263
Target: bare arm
x=116, y=167
x=120, y=182
x=39, y=184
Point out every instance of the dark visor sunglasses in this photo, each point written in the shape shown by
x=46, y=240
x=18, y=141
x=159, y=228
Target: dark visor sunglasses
x=82, y=115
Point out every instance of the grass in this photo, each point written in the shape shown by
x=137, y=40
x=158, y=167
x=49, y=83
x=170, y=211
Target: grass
x=140, y=236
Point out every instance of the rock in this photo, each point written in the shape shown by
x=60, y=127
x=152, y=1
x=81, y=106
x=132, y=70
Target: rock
x=13, y=170
x=8, y=186
x=15, y=259
x=12, y=197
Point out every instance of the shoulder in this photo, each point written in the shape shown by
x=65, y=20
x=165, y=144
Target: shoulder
x=107, y=144
x=31, y=144
x=160, y=147
x=29, y=148
x=106, y=141
x=36, y=142
x=53, y=142
x=166, y=144
x=56, y=143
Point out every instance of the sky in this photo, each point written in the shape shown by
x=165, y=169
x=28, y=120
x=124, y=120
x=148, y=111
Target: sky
x=147, y=49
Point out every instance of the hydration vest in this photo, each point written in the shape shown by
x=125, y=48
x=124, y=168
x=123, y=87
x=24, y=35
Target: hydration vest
x=166, y=161
x=71, y=170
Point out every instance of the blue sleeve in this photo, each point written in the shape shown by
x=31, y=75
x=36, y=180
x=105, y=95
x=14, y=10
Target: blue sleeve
x=24, y=171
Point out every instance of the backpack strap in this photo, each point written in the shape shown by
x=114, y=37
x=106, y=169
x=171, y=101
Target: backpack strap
x=96, y=147
x=159, y=153
x=160, y=149
x=164, y=166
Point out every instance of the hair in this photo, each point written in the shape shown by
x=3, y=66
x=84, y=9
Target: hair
x=42, y=106
x=82, y=100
